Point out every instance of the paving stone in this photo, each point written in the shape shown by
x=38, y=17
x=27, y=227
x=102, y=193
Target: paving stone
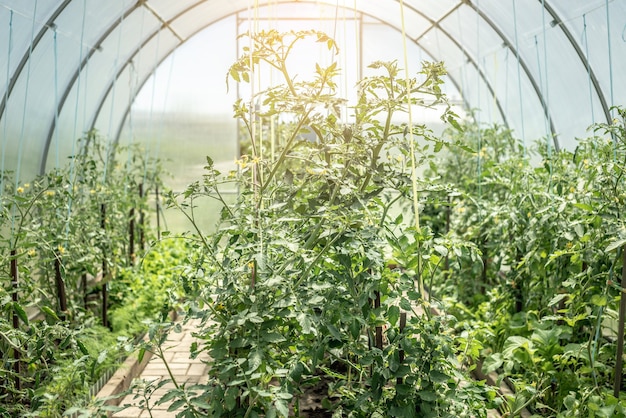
x=184, y=368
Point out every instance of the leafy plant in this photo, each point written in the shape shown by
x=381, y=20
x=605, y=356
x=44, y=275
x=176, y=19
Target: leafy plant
x=296, y=280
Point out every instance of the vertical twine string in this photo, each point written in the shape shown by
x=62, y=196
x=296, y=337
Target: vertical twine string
x=519, y=77
x=56, y=98
x=410, y=121
x=588, y=63
x=479, y=168
x=112, y=107
x=608, y=38
x=70, y=201
x=157, y=149
x=541, y=89
x=546, y=93
x=6, y=109
x=26, y=90
x=152, y=102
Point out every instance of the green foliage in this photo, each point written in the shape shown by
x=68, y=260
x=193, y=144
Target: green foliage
x=54, y=245
x=296, y=286
x=549, y=235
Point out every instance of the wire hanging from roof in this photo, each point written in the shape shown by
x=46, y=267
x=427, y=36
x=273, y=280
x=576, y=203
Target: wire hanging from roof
x=588, y=63
x=519, y=77
x=479, y=151
x=410, y=122
x=56, y=96
x=23, y=128
x=6, y=113
x=546, y=93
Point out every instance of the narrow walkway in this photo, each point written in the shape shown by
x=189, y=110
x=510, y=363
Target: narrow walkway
x=185, y=370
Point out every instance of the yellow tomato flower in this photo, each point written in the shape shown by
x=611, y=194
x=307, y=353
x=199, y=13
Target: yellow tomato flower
x=50, y=193
x=32, y=252
x=20, y=190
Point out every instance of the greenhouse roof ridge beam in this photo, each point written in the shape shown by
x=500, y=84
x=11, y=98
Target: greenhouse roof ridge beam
x=66, y=92
x=165, y=23
x=34, y=42
x=524, y=66
x=592, y=75
x=436, y=23
x=236, y=13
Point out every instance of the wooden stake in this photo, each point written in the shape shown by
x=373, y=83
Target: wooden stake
x=131, y=237
x=379, y=330
x=448, y=216
x=16, y=320
x=141, y=221
x=83, y=284
x=619, y=364
x=60, y=288
x=399, y=380
x=158, y=213
x=105, y=320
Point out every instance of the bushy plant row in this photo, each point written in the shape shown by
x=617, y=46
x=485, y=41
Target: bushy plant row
x=65, y=236
x=540, y=306
x=305, y=285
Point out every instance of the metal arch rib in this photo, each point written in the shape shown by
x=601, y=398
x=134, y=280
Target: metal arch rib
x=592, y=75
x=122, y=67
x=27, y=54
x=524, y=67
x=73, y=79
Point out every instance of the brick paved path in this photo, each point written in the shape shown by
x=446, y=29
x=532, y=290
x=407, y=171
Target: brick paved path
x=184, y=369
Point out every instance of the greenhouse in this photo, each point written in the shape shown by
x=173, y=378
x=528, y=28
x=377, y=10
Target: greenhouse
x=312, y=208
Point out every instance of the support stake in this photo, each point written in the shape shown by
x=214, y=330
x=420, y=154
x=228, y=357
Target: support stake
x=142, y=236
x=16, y=320
x=619, y=364
x=379, y=329
x=105, y=320
x=399, y=380
x=60, y=288
x=158, y=212
x=131, y=237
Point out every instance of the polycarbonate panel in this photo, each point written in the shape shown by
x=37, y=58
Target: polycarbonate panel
x=476, y=37
x=116, y=51
x=550, y=67
x=31, y=107
x=441, y=48
x=122, y=92
x=98, y=17
x=588, y=23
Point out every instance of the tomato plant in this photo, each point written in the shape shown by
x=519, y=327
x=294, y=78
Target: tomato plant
x=298, y=286
x=551, y=249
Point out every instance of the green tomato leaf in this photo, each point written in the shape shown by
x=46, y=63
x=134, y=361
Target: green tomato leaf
x=615, y=244
x=393, y=315
x=82, y=347
x=557, y=298
x=50, y=313
x=282, y=408
x=20, y=312
x=255, y=360
x=272, y=337
x=492, y=363
x=598, y=300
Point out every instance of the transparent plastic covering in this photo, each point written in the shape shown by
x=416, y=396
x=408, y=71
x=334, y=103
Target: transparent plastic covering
x=545, y=68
